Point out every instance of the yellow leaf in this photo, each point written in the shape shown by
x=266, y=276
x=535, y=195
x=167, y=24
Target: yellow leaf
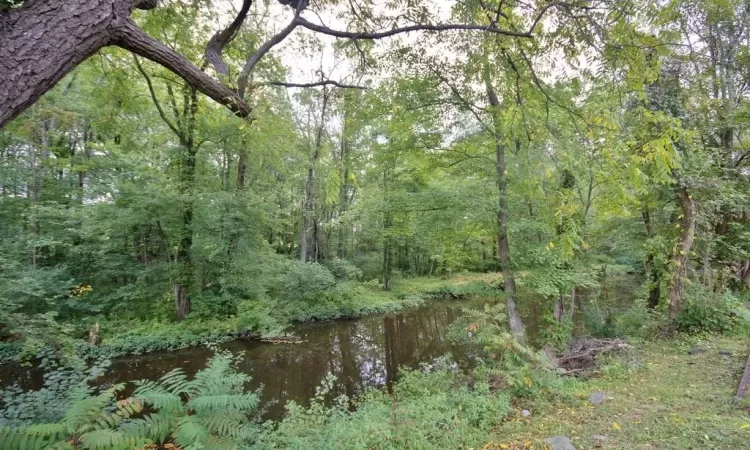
x=616, y=426
x=745, y=427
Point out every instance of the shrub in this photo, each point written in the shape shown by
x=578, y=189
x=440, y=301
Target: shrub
x=344, y=270
x=49, y=403
x=300, y=282
x=258, y=316
x=427, y=409
x=637, y=321
x=706, y=311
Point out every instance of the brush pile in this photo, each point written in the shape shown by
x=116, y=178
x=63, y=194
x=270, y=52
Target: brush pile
x=582, y=353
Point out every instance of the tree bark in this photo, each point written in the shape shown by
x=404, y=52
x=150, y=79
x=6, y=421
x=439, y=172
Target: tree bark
x=654, y=293
x=744, y=383
x=681, y=257
x=44, y=40
x=184, y=279
x=503, y=246
x=308, y=234
x=387, y=252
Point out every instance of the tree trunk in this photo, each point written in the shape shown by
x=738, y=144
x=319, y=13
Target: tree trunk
x=503, y=247
x=654, y=293
x=44, y=40
x=308, y=235
x=744, y=275
x=681, y=257
x=241, y=170
x=387, y=253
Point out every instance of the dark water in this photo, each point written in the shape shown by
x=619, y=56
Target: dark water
x=361, y=353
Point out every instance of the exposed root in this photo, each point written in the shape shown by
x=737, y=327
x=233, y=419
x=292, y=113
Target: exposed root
x=581, y=354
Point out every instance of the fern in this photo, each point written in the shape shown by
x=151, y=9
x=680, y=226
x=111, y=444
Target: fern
x=488, y=328
x=210, y=411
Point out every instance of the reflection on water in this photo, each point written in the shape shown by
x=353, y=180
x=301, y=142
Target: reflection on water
x=361, y=353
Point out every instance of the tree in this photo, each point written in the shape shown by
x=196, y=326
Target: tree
x=41, y=41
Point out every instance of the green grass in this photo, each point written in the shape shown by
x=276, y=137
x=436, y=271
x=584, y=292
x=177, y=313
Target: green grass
x=659, y=397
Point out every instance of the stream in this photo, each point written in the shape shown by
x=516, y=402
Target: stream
x=361, y=353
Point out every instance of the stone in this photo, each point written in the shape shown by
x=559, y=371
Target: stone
x=599, y=439
x=696, y=350
x=597, y=398
x=525, y=413
x=560, y=443
x=725, y=353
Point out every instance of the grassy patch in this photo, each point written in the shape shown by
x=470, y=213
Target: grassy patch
x=659, y=397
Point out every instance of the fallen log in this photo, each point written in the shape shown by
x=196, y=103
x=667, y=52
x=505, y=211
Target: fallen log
x=744, y=383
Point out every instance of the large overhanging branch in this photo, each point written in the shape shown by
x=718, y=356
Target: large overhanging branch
x=299, y=21
x=132, y=38
x=77, y=29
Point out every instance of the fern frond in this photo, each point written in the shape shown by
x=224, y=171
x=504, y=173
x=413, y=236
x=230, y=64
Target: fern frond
x=163, y=401
x=32, y=437
x=189, y=431
x=108, y=439
x=217, y=403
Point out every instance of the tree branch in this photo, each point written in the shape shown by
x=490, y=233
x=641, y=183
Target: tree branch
x=322, y=29
x=462, y=100
x=151, y=90
x=222, y=38
x=315, y=84
x=541, y=13
x=133, y=39
x=265, y=48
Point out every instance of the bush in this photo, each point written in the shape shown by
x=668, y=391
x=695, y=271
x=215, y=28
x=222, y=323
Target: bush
x=370, y=264
x=259, y=317
x=637, y=321
x=160, y=336
x=435, y=409
x=344, y=270
x=706, y=311
x=300, y=282
x=208, y=305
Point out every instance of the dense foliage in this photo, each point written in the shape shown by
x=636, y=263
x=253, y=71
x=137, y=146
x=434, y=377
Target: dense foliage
x=138, y=215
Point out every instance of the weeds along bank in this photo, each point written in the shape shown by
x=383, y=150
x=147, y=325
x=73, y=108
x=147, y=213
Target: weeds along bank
x=299, y=298
x=671, y=393
x=438, y=406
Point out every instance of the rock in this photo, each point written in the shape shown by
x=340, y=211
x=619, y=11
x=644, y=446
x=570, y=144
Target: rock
x=525, y=413
x=560, y=443
x=599, y=440
x=725, y=353
x=597, y=398
x=696, y=350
